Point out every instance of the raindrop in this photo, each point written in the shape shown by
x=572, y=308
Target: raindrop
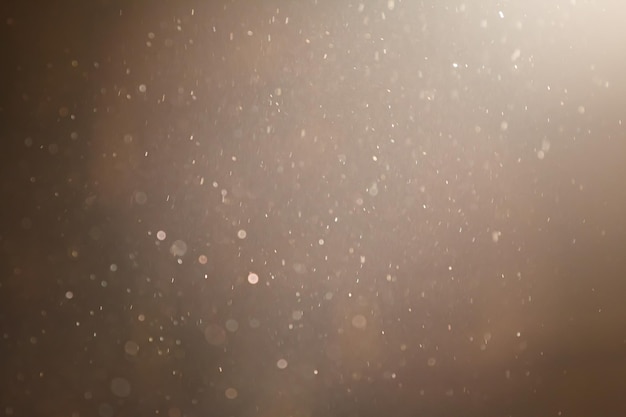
x=141, y=197
x=253, y=278
x=231, y=393
x=232, y=325
x=178, y=248
x=359, y=321
x=131, y=348
x=215, y=335
x=281, y=363
x=120, y=387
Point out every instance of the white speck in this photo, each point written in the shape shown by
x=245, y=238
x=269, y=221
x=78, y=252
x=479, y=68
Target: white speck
x=142, y=88
x=320, y=242
x=281, y=363
x=501, y=14
x=495, y=236
x=241, y=234
x=391, y=4
x=113, y=267
x=161, y=235
x=253, y=278
x=69, y=295
x=504, y=125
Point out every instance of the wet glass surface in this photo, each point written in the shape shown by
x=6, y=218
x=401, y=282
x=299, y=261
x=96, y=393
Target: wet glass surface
x=311, y=208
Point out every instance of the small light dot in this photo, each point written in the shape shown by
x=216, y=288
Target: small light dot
x=241, y=234
x=161, y=235
x=281, y=364
x=69, y=295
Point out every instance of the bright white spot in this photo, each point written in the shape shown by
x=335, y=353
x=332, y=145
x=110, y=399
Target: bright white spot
x=391, y=4
x=495, y=236
x=281, y=364
x=113, y=267
x=501, y=14
x=142, y=88
x=161, y=235
x=253, y=278
x=241, y=234
x=69, y=295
